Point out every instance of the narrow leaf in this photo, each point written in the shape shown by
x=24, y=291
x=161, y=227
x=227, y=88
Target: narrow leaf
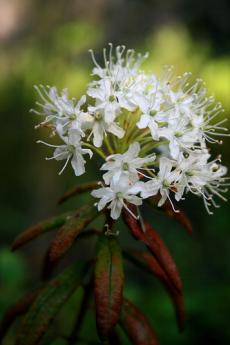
x=163, y=256
x=109, y=280
x=40, y=228
x=18, y=309
x=147, y=262
x=180, y=216
x=67, y=234
x=78, y=190
x=47, y=304
x=137, y=326
x=155, y=244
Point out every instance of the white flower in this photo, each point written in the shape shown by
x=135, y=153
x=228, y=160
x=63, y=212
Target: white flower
x=190, y=166
x=106, y=99
x=71, y=151
x=164, y=181
x=116, y=195
x=201, y=177
x=180, y=136
x=180, y=103
x=99, y=127
x=127, y=164
x=150, y=110
x=119, y=78
x=60, y=111
x=130, y=113
x=120, y=68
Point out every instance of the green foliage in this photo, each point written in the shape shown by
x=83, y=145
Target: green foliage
x=47, y=304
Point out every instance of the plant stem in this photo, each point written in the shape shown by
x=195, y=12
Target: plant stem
x=98, y=151
x=108, y=144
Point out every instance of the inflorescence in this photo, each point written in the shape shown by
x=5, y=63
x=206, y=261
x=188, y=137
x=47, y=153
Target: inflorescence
x=151, y=133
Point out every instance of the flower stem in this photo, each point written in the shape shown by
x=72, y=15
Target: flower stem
x=108, y=144
x=98, y=151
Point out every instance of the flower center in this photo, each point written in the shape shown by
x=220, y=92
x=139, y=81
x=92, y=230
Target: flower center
x=190, y=173
x=190, y=125
x=71, y=149
x=153, y=112
x=166, y=183
x=112, y=98
x=98, y=116
x=72, y=117
x=178, y=134
x=119, y=195
x=185, y=154
x=125, y=166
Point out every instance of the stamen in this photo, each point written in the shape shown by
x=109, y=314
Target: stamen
x=176, y=211
x=47, y=144
x=93, y=58
x=65, y=165
x=144, y=175
x=58, y=155
x=132, y=214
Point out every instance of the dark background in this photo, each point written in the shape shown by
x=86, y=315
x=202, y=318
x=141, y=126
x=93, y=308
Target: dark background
x=47, y=42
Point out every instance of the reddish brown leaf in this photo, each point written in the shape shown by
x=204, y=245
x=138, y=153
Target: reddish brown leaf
x=155, y=244
x=179, y=307
x=47, y=304
x=147, y=262
x=66, y=236
x=180, y=217
x=18, y=309
x=109, y=280
x=161, y=253
x=40, y=228
x=78, y=190
x=137, y=326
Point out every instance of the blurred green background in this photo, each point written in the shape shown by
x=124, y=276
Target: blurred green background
x=45, y=41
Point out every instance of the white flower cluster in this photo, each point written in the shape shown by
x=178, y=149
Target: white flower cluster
x=150, y=132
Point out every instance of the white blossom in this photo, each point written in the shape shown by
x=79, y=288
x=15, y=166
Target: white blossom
x=128, y=164
x=117, y=195
x=151, y=113
x=106, y=99
x=164, y=181
x=151, y=133
x=180, y=136
x=202, y=178
x=59, y=111
x=99, y=127
x=71, y=151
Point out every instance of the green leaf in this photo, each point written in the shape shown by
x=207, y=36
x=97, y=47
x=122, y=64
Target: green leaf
x=67, y=234
x=137, y=326
x=48, y=303
x=40, y=228
x=109, y=281
x=16, y=310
